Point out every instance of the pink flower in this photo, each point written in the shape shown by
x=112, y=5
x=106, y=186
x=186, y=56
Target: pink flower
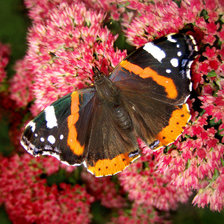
x=149, y=187
x=213, y=194
x=221, y=34
x=113, y=8
x=211, y=5
x=39, y=9
x=21, y=85
x=105, y=190
x=210, y=52
x=214, y=64
x=204, y=67
x=209, y=39
x=213, y=16
x=211, y=27
x=161, y=18
x=28, y=199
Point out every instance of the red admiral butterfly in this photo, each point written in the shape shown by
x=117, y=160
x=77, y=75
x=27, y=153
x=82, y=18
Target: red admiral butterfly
x=145, y=97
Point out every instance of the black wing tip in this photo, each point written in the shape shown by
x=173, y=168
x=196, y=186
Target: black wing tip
x=29, y=147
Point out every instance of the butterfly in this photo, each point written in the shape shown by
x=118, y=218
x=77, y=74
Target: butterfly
x=144, y=97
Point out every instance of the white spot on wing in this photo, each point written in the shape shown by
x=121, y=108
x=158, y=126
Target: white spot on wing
x=50, y=117
x=179, y=53
x=57, y=156
x=193, y=40
x=174, y=62
x=51, y=139
x=61, y=137
x=188, y=73
x=155, y=51
x=48, y=147
x=190, y=86
x=42, y=139
x=32, y=125
x=189, y=64
x=24, y=145
x=196, y=48
x=168, y=71
x=170, y=38
x=84, y=164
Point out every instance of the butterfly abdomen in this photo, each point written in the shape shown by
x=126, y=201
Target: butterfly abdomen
x=122, y=117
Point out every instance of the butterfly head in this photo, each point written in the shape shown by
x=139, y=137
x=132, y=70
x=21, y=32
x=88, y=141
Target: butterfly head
x=98, y=76
x=105, y=88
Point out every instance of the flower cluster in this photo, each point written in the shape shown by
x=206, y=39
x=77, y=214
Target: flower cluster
x=48, y=71
x=104, y=190
x=28, y=198
x=139, y=214
x=163, y=17
x=66, y=40
x=20, y=84
x=113, y=8
x=148, y=187
x=213, y=193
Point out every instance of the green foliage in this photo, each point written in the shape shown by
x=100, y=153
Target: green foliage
x=14, y=24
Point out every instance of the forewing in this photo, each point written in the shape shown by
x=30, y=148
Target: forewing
x=164, y=67
x=61, y=130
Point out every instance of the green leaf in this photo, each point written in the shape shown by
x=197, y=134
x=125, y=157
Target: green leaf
x=212, y=74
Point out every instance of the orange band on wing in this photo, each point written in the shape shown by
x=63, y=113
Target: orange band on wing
x=107, y=167
x=177, y=122
x=164, y=81
x=72, y=141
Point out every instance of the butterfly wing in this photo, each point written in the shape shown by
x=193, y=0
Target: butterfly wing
x=155, y=84
x=79, y=129
x=154, y=120
x=110, y=148
x=61, y=130
x=163, y=66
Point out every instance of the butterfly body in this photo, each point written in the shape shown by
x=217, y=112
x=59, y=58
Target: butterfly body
x=144, y=97
x=106, y=90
